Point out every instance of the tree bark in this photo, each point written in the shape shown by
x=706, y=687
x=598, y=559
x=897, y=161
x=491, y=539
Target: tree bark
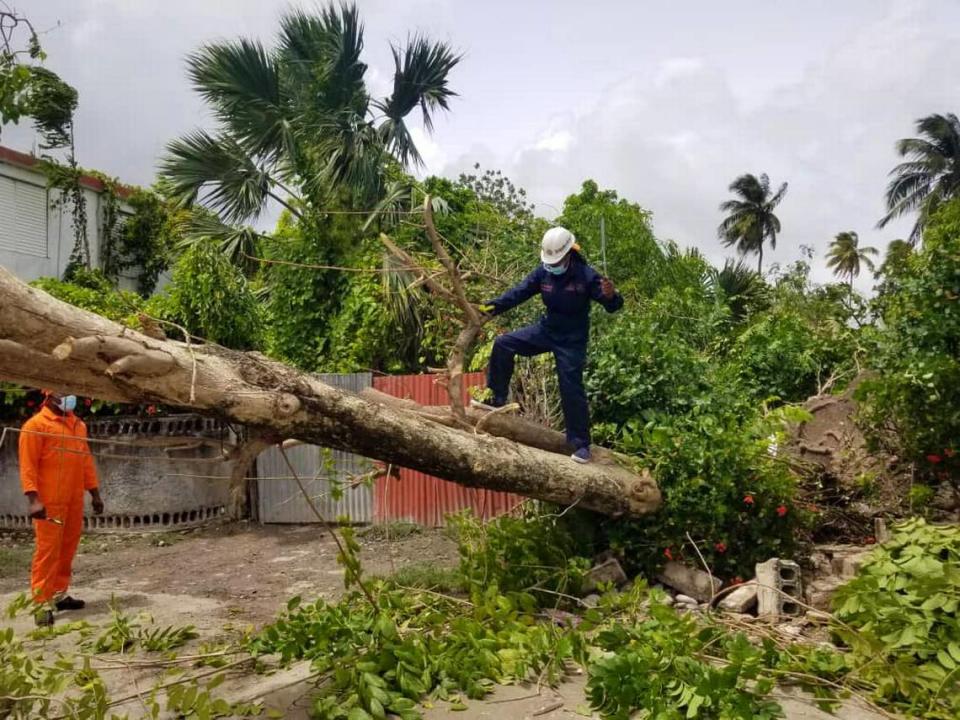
x=48, y=343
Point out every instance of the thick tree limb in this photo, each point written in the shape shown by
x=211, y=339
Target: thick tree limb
x=282, y=402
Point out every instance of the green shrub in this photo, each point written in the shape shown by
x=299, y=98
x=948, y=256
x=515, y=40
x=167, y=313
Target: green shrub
x=720, y=486
x=211, y=298
x=91, y=290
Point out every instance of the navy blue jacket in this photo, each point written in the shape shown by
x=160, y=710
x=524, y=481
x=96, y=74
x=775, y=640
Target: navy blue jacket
x=567, y=298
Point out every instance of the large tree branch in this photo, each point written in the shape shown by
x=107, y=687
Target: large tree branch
x=282, y=402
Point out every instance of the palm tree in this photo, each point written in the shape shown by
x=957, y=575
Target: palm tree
x=750, y=220
x=930, y=176
x=846, y=256
x=296, y=121
x=737, y=285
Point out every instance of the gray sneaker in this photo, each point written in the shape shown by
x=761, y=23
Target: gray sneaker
x=581, y=456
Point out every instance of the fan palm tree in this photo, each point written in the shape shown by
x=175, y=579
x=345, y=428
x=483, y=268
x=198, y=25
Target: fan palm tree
x=846, y=256
x=750, y=220
x=930, y=176
x=297, y=121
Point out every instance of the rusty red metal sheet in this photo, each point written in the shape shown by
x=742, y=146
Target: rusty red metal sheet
x=425, y=499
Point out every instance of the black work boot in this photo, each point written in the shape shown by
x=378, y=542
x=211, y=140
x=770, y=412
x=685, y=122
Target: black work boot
x=69, y=603
x=43, y=617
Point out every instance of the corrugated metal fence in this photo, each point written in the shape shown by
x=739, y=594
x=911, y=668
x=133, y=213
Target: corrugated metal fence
x=279, y=499
x=422, y=498
x=416, y=497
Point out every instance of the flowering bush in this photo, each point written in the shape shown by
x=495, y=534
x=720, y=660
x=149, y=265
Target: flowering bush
x=722, y=489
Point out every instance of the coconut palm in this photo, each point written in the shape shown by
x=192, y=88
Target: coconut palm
x=750, y=220
x=930, y=176
x=296, y=121
x=846, y=256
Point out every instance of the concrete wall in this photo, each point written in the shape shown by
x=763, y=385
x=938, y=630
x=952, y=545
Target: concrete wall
x=149, y=487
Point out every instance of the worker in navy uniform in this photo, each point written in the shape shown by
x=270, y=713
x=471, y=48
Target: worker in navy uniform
x=567, y=285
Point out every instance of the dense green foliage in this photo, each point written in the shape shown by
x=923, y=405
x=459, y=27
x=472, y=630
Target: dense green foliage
x=210, y=299
x=92, y=290
x=913, y=403
x=656, y=667
x=904, y=610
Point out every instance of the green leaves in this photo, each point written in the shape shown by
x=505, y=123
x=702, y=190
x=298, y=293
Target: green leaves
x=901, y=613
x=668, y=667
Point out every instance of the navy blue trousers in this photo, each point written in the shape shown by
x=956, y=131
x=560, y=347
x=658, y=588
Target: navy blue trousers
x=571, y=357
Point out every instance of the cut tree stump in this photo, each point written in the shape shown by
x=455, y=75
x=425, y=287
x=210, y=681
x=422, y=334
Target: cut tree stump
x=47, y=343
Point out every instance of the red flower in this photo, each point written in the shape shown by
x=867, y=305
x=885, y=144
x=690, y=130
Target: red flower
x=871, y=540
x=782, y=510
x=934, y=458
x=30, y=403
x=667, y=554
x=748, y=499
x=737, y=581
x=151, y=409
x=88, y=402
x=721, y=547
x=949, y=452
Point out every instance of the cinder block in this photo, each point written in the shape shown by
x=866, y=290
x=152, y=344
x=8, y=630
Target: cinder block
x=778, y=588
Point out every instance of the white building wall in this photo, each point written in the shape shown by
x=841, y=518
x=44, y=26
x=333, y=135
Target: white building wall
x=36, y=228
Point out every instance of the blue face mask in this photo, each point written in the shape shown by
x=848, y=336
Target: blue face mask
x=68, y=403
x=555, y=269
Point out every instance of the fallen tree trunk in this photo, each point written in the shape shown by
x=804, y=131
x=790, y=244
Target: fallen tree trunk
x=48, y=343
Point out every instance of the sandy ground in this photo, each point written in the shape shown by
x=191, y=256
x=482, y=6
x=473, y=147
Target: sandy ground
x=229, y=579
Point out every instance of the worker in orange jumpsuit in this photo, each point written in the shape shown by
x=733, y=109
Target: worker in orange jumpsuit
x=56, y=466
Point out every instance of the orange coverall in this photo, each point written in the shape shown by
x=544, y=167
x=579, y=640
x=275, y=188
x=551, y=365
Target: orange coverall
x=58, y=466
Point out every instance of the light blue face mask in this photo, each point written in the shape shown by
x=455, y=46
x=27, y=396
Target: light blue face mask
x=555, y=269
x=68, y=403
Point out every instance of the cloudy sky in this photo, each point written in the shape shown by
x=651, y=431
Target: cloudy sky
x=666, y=103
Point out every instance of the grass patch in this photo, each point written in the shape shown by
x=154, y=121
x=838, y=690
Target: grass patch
x=15, y=560
x=429, y=576
x=396, y=530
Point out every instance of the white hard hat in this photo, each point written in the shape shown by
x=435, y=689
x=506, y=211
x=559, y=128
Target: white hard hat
x=557, y=242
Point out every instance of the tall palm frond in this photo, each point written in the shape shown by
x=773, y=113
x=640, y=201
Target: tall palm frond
x=240, y=244
x=217, y=171
x=421, y=72
x=240, y=81
x=321, y=56
x=750, y=220
x=930, y=176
